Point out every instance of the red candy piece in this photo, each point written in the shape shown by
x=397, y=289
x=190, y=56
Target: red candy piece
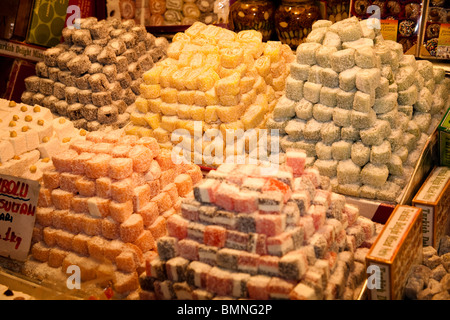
x=177, y=227
x=215, y=236
x=274, y=185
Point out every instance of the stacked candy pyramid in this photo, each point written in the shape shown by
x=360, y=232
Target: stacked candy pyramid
x=102, y=207
x=94, y=75
x=215, y=79
x=29, y=137
x=246, y=233
x=360, y=108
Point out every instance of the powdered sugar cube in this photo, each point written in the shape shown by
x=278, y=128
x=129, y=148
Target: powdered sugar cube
x=367, y=80
x=311, y=91
x=323, y=56
x=347, y=78
x=306, y=53
x=374, y=174
x=342, y=60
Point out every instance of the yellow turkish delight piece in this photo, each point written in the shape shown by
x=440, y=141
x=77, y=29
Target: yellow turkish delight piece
x=269, y=79
x=152, y=76
x=229, y=100
x=209, y=49
x=231, y=57
x=132, y=130
x=190, y=81
x=253, y=116
x=137, y=118
x=193, y=127
x=202, y=39
x=278, y=69
x=270, y=94
x=200, y=98
x=246, y=84
x=279, y=83
x=169, y=123
x=247, y=36
x=210, y=31
x=195, y=29
x=262, y=100
x=183, y=111
x=168, y=109
x=186, y=97
x=181, y=36
x=197, y=113
x=174, y=49
x=228, y=130
x=225, y=72
x=161, y=135
x=197, y=60
x=260, y=85
x=141, y=104
x=262, y=65
x=229, y=85
x=248, y=98
x=207, y=80
x=213, y=61
x=169, y=95
x=225, y=35
x=179, y=77
x=211, y=97
x=150, y=91
x=144, y=132
x=287, y=53
x=184, y=60
x=154, y=105
x=253, y=49
x=273, y=50
x=230, y=113
x=152, y=119
x=211, y=114
x=165, y=77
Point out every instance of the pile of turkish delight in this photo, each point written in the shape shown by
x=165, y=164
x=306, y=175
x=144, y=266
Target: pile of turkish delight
x=29, y=137
x=431, y=279
x=247, y=233
x=360, y=108
x=94, y=75
x=214, y=78
x=102, y=206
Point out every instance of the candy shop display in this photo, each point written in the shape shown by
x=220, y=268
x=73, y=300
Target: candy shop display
x=213, y=80
x=293, y=20
x=400, y=20
x=253, y=15
x=247, y=234
x=430, y=279
x=360, y=108
x=94, y=75
x=435, y=43
x=102, y=207
x=30, y=136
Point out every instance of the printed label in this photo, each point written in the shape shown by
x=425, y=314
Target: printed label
x=435, y=184
x=427, y=224
x=389, y=29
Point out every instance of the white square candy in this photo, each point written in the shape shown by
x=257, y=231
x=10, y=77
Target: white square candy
x=360, y=154
x=425, y=68
x=381, y=154
x=347, y=78
x=6, y=151
x=329, y=78
x=312, y=130
x=363, y=102
x=342, y=60
x=323, y=56
x=323, y=151
x=365, y=57
x=321, y=24
x=328, y=96
x=294, y=89
x=316, y=35
x=330, y=133
x=363, y=120
x=327, y=168
x=349, y=133
x=374, y=174
x=284, y=109
x=348, y=172
x=314, y=74
x=311, y=91
x=294, y=128
x=395, y=165
x=306, y=53
x=404, y=78
x=383, y=88
x=424, y=100
x=303, y=109
x=386, y=103
x=341, y=150
x=322, y=112
x=344, y=99
x=367, y=80
x=341, y=117
x=299, y=71
x=332, y=39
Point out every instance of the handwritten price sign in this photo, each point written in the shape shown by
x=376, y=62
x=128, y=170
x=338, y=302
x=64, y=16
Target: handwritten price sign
x=18, y=201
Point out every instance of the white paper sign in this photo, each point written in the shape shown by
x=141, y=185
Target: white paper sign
x=18, y=204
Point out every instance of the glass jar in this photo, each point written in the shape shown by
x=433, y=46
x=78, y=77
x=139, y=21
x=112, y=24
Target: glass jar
x=253, y=15
x=294, y=19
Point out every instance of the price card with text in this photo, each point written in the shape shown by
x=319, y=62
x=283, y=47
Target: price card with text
x=18, y=202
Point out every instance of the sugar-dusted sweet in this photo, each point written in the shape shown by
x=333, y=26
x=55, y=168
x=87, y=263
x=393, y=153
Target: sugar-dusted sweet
x=375, y=175
x=306, y=53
